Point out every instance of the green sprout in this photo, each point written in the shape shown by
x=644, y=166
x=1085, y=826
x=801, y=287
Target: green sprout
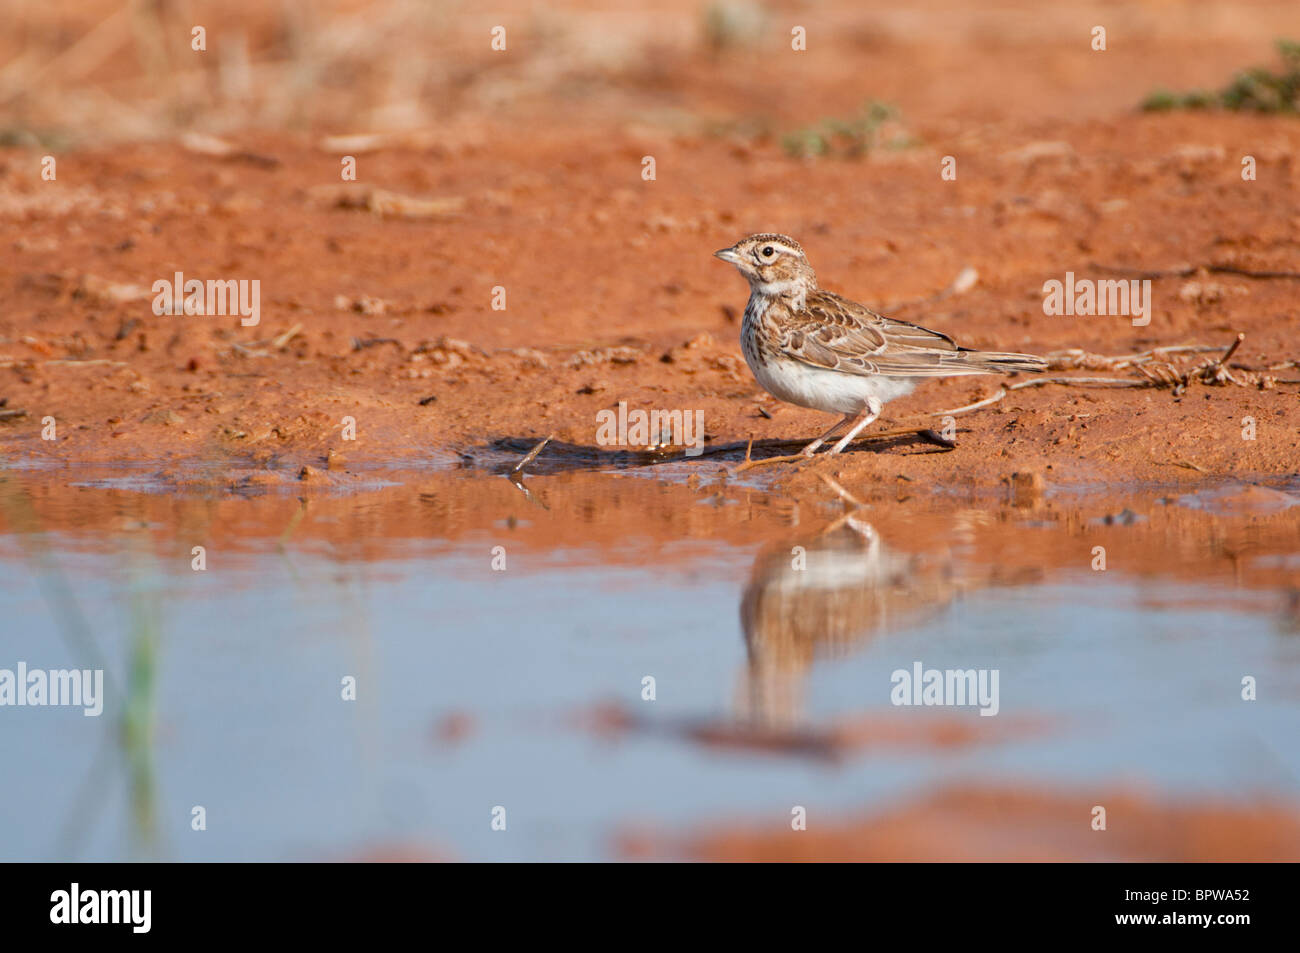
x=1253, y=90
x=851, y=138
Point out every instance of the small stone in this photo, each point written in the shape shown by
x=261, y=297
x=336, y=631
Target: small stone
x=1026, y=488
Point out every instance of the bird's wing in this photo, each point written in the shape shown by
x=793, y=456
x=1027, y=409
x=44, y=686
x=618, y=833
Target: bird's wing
x=839, y=334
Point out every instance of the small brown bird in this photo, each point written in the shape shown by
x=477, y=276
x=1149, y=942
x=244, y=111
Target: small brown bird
x=844, y=588
x=813, y=348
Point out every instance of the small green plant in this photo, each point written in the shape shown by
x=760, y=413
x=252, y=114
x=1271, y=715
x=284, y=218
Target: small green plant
x=850, y=138
x=1254, y=90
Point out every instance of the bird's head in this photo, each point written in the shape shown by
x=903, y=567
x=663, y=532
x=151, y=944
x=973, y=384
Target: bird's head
x=772, y=264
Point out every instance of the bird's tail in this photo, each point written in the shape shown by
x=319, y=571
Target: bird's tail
x=995, y=362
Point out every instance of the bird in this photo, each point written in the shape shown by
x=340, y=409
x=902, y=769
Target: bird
x=814, y=348
x=843, y=588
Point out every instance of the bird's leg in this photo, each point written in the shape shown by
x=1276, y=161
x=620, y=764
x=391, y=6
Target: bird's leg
x=872, y=411
x=809, y=450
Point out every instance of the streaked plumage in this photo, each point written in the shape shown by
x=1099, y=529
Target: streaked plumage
x=816, y=349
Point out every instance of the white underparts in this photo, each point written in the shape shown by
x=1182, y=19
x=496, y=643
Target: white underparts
x=795, y=382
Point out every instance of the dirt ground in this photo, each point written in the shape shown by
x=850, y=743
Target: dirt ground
x=380, y=308
x=1011, y=824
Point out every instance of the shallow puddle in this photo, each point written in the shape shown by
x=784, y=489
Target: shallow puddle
x=502, y=639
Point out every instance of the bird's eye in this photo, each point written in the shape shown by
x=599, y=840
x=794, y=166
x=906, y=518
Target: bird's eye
x=769, y=251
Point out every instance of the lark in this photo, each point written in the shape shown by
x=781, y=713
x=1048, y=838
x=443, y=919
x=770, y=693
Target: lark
x=816, y=349
x=847, y=589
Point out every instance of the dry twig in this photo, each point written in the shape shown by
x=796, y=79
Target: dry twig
x=531, y=456
x=842, y=493
x=1153, y=367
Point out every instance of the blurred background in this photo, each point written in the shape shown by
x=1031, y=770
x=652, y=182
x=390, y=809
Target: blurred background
x=102, y=71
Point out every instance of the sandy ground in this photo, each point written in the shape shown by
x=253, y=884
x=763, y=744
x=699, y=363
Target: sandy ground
x=1014, y=824
x=598, y=312
x=380, y=309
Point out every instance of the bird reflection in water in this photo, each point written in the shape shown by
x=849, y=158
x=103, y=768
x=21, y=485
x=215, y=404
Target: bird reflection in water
x=825, y=596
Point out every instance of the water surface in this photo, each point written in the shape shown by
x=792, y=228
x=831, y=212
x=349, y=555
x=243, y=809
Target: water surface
x=499, y=643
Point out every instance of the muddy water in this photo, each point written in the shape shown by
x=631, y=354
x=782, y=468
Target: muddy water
x=501, y=637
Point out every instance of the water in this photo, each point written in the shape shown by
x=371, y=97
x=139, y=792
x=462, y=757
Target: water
x=480, y=687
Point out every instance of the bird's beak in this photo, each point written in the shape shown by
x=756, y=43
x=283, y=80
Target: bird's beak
x=728, y=255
